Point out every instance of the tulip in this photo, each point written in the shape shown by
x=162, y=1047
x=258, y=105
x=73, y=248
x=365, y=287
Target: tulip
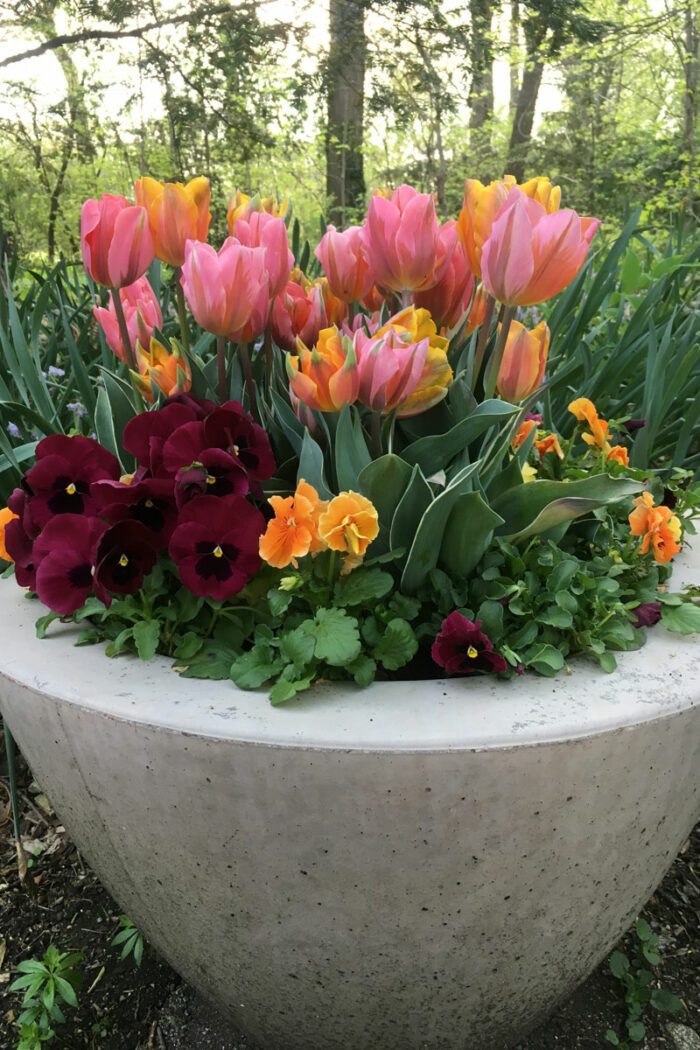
x=297, y=313
x=530, y=255
x=389, y=368
x=325, y=378
x=176, y=214
x=168, y=370
x=344, y=259
x=242, y=206
x=336, y=309
x=116, y=240
x=264, y=231
x=448, y=300
x=402, y=241
x=414, y=326
x=224, y=288
x=141, y=311
x=482, y=204
x=477, y=310
x=523, y=361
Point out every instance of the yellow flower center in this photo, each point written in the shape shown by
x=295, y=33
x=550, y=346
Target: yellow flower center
x=71, y=489
x=211, y=480
x=123, y=561
x=217, y=552
x=235, y=450
x=148, y=503
x=291, y=521
x=352, y=536
x=472, y=652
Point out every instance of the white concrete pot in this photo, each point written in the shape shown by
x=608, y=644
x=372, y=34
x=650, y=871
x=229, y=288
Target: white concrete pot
x=414, y=865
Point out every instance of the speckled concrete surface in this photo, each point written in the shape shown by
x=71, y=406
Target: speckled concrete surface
x=393, y=868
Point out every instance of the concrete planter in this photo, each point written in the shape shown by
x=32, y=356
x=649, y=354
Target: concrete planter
x=417, y=865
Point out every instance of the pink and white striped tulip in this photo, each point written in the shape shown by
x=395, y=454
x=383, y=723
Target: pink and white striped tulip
x=261, y=230
x=389, y=368
x=116, y=240
x=343, y=257
x=223, y=288
x=402, y=241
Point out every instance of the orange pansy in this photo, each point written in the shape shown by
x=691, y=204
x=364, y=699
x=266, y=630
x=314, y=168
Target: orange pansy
x=6, y=516
x=523, y=432
x=619, y=454
x=658, y=525
x=585, y=412
x=293, y=532
x=349, y=524
x=550, y=443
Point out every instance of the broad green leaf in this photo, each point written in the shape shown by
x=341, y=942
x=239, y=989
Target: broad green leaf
x=682, y=619
x=384, y=482
x=531, y=509
x=285, y=689
x=425, y=549
x=311, y=466
x=254, y=668
x=146, y=635
x=363, y=669
x=104, y=425
x=619, y=964
x=468, y=533
x=397, y=645
x=297, y=646
x=337, y=637
x=415, y=501
x=435, y=453
x=351, y=453
x=544, y=658
x=362, y=586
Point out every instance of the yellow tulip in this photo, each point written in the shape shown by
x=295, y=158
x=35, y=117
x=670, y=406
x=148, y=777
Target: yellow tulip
x=176, y=213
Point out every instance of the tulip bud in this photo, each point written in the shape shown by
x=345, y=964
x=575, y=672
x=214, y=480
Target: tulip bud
x=264, y=231
x=344, y=259
x=116, y=240
x=142, y=314
x=297, y=313
x=477, y=311
x=325, y=378
x=176, y=214
x=523, y=362
x=402, y=241
x=168, y=370
x=225, y=288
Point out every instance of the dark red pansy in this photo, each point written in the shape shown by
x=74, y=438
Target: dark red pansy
x=65, y=555
x=184, y=446
x=150, y=502
x=233, y=429
x=215, y=473
x=20, y=534
x=125, y=554
x=61, y=478
x=646, y=614
x=201, y=406
x=215, y=545
x=461, y=647
x=632, y=425
x=145, y=434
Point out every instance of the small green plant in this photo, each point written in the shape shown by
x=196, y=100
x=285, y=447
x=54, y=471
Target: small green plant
x=130, y=938
x=48, y=984
x=636, y=980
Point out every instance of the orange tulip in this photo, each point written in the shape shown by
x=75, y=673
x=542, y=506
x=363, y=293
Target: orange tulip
x=293, y=532
x=413, y=325
x=482, y=203
x=326, y=377
x=176, y=214
x=658, y=525
x=168, y=370
x=349, y=524
x=242, y=206
x=6, y=516
x=336, y=309
x=477, y=312
x=523, y=362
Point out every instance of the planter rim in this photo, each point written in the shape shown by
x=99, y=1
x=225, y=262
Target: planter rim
x=440, y=715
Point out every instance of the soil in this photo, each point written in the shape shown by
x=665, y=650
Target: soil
x=125, y=1007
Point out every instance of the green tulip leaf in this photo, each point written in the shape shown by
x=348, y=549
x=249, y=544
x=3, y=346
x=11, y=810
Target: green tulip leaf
x=533, y=508
x=351, y=453
x=468, y=533
x=415, y=501
x=435, y=453
x=311, y=466
x=384, y=482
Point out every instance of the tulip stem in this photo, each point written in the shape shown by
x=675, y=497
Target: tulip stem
x=181, y=310
x=249, y=384
x=221, y=367
x=484, y=332
x=494, y=365
x=268, y=357
x=376, y=430
x=129, y=356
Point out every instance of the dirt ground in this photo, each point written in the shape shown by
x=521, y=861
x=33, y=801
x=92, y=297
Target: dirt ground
x=123, y=1007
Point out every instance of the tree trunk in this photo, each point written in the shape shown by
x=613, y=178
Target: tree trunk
x=525, y=111
x=690, y=74
x=514, y=64
x=481, y=88
x=345, y=182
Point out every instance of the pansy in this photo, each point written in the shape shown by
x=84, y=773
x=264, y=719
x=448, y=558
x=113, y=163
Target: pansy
x=215, y=545
x=461, y=647
x=659, y=526
x=20, y=532
x=6, y=516
x=146, y=433
x=125, y=554
x=65, y=468
x=617, y=454
x=150, y=502
x=585, y=411
x=293, y=532
x=646, y=614
x=65, y=555
x=349, y=524
x=214, y=473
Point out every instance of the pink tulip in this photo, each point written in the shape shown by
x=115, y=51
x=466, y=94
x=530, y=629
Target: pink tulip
x=389, y=368
x=142, y=314
x=523, y=363
x=530, y=255
x=449, y=298
x=224, y=288
x=261, y=230
x=402, y=241
x=116, y=240
x=296, y=313
x=344, y=260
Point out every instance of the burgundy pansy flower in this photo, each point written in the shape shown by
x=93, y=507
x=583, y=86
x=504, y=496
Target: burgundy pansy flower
x=125, y=554
x=145, y=434
x=215, y=473
x=65, y=555
x=150, y=502
x=215, y=545
x=232, y=428
x=20, y=534
x=61, y=478
x=646, y=614
x=461, y=647
x=201, y=406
